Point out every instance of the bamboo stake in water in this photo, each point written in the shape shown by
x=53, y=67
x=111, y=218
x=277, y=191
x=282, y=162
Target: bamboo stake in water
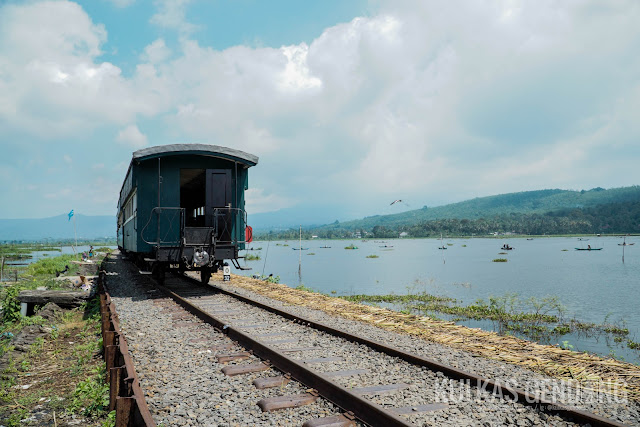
x=300, y=258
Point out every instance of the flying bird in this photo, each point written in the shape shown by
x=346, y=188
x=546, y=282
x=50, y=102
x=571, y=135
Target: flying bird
x=395, y=201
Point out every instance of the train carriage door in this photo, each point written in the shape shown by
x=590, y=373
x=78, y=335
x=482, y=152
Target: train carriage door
x=218, y=203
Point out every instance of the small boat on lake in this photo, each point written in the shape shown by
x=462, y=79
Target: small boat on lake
x=442, y=242
x=300, y=249
x=325, y=247
x=588, y=249
x=506, y=247
x=624, y=243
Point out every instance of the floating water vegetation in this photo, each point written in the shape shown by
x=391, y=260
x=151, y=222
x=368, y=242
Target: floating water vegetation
x=351, y=246
x=500, y=260
x=252, y=257
x=564, y=250
x=466, y=285
x=502, y=253
x=449, y=244
x=464, y=246
x=373, y=256
x=541, y=319
x=311, y=253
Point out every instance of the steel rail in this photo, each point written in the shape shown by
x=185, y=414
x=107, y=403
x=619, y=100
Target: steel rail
x=363, y=409
x=507, y=392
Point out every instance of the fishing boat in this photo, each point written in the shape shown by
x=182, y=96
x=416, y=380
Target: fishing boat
x=442, y=242
x=325, y=247
x=300, y=248
x=624, y=243
x=588, y=249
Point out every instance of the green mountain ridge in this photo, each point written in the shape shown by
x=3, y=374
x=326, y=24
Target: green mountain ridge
x=552, y=211
x=526, y=202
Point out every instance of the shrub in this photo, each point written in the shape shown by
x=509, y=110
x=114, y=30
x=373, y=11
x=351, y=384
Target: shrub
x=11, y=305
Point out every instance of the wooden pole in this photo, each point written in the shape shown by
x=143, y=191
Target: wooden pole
x=75, y=233
x=300, y=258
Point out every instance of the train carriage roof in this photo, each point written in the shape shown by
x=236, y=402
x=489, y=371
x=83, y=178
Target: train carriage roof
x=197, y=149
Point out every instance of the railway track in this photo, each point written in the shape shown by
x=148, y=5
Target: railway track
x=359, y=380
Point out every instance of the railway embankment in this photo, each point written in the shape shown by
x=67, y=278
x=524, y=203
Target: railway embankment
x=528, y=365
x=176, y=358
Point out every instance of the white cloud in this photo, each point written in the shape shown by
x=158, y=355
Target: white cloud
x=438, y=100
x=51, y=81
x=257, y=201
x=156, y=52
x=132, y=137
x=296, y=73
x=171, y=15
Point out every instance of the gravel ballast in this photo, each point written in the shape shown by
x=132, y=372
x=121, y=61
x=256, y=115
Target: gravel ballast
x=175, y=360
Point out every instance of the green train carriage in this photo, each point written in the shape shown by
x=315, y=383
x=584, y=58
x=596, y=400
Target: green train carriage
x=181, y=207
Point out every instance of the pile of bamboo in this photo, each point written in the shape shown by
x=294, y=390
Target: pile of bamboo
x=581, y=368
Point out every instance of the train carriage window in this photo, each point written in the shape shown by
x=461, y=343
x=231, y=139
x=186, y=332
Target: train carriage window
x=130, y=207
x=192, y=196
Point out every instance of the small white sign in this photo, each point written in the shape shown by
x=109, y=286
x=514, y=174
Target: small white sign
x=226, y=272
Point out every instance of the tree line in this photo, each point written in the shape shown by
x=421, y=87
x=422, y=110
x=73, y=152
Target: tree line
x=612, y=218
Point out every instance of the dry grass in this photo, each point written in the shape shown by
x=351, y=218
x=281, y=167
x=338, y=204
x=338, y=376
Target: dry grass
x=48, y=382
x=550, y=360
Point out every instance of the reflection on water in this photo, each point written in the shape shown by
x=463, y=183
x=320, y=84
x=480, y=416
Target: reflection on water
x=594, y=286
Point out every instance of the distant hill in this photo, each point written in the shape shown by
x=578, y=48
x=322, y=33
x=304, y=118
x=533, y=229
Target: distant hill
x=526, y=202
x=308, y=216
x=58, y=228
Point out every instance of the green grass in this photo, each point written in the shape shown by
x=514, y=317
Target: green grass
x=500, y=260
x=373, y=256
x=76, y=378
x=50, y=266
x=252, y=257
x=351, y=246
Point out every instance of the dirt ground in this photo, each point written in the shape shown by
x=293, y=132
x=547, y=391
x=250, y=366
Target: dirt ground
x=50, y=361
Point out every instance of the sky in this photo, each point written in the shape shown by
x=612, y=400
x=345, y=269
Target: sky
x=348, y=104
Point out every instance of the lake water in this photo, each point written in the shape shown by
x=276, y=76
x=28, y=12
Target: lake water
x=594, y=286
x=10, y=266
